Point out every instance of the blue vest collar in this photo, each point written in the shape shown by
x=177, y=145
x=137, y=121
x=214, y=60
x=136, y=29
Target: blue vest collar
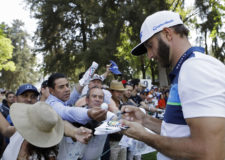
x=183, y=58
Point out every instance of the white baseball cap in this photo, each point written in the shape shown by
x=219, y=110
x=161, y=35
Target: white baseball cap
x=154, y=24
x=150, y=96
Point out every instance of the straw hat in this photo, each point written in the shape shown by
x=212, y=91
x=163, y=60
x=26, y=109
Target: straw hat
x=38, y=123
x=116, y=86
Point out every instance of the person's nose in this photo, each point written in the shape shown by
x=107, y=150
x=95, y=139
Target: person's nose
x=29, y=99
x=98, y=98
x=67, y=88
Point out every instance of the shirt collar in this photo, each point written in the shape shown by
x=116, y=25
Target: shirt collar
x=183, y=58
x=53, y=98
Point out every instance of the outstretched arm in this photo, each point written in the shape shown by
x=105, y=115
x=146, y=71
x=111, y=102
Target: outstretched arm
x=5, y=127
x=80, y=134
x=107, y=71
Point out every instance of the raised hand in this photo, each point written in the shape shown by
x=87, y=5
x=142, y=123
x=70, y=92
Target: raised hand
x=132, y=113
x=80, y=134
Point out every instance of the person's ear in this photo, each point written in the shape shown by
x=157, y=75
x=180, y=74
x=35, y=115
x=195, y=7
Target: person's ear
x=51, y=90
x=167, y=33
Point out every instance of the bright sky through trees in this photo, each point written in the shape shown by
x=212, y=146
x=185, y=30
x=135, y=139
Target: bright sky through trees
x=15, y=9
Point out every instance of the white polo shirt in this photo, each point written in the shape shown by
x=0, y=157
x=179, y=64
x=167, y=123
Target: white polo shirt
x=201, y=89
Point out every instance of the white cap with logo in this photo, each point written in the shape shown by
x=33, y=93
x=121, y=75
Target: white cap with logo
x=154, y=24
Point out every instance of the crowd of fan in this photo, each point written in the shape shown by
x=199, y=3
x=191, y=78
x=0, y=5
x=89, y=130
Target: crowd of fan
x=81, y=112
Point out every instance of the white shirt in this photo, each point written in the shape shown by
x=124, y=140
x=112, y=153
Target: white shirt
x=201, y=88
x=13, y=147
x=69, y=150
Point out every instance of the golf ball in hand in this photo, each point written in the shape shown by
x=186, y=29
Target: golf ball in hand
x=104, y=106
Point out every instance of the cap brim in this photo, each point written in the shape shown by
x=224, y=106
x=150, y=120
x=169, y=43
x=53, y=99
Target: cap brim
x=139, y=49
x=96, y=79
x=36, y=92
x=115, y=89
x=117, y=72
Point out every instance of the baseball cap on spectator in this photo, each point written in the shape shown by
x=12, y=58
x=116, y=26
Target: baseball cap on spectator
x=144, y=91
x=114, y=68
x=26, y=87
x=154, y=24
x=150, y=96
x=96, y=76
x=155, y=87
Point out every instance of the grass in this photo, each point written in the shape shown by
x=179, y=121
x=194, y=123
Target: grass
x=149, y=156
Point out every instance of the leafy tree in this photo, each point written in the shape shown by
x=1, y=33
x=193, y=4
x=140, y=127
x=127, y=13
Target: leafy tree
x=25, y=61
x=133, y=67
x=211, y=25
x=6, y=50
x=72, y=34
x=63, y=33
x=76, y=33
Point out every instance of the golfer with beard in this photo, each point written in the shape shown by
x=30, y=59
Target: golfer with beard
x=193, y=127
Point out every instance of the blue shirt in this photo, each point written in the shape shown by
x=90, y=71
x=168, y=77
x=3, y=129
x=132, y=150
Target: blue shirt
x=174, y=113
x=64, y=109
x=9, y=120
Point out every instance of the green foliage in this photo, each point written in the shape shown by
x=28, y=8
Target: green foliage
x=6, y=50
x=206, y=18
x=132, y=63
x=150, y=156
x=72, y=34
x=211, y=25
x=124, y=51
x=25, y=62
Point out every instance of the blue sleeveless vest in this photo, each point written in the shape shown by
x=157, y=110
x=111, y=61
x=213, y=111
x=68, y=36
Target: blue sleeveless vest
x=173, y=113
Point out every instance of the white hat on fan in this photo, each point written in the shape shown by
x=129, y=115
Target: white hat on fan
x=37, y=123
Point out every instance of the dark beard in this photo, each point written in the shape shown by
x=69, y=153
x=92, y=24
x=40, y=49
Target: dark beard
x=163, y=53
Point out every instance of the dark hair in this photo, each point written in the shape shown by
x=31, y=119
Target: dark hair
x=45, y=152
x=135, y=82
x=44, y=84
x=181, y=30
x=53, y=77
x=128, y=84
x=89, y=91
x=7, y=94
